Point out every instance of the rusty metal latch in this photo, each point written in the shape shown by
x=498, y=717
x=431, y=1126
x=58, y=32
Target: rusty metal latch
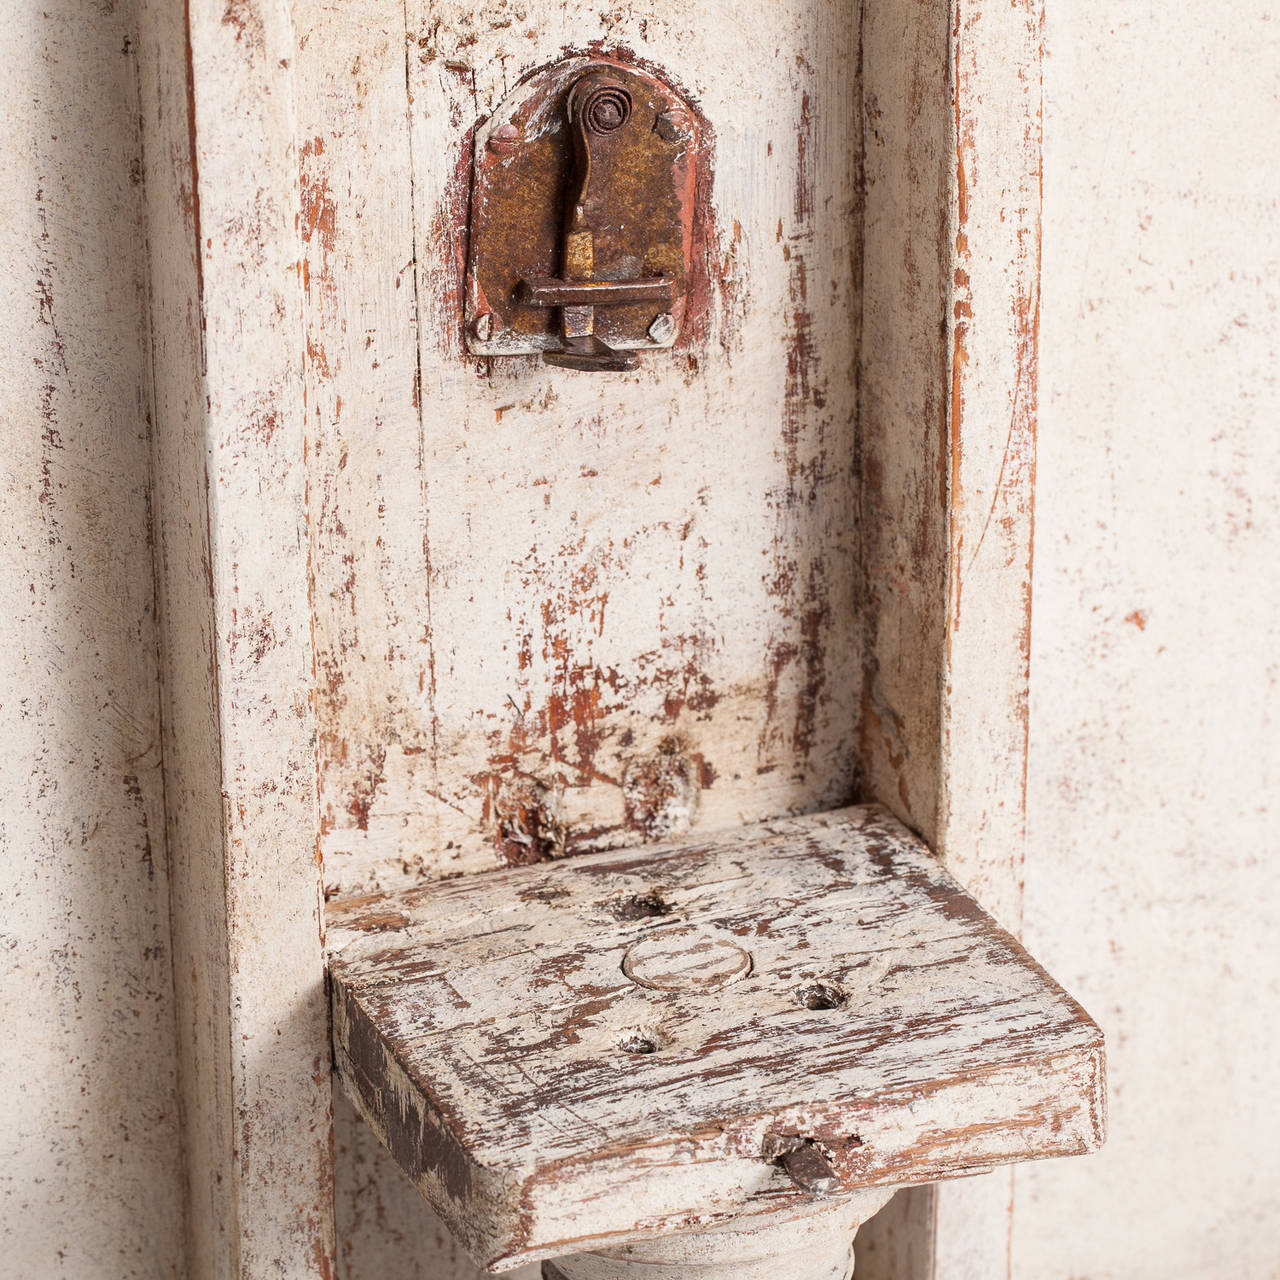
x=582, y=218
x=599, y=111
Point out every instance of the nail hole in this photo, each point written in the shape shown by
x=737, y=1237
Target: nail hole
x=639, y=906
x=819, y=995
x=637, y=1043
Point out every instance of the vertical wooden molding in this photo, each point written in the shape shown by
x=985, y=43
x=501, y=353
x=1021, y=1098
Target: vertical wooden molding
x=227, y=339
x=952, y=122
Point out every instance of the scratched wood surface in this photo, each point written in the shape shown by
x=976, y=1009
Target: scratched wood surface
x=225, y=301
x=572, y=1055
x=951, y=229
x=89, y=1119
x=557, y=613
x=632, y=665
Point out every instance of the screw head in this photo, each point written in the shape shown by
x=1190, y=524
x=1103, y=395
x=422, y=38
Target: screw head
x=504, y=140
x=663, y=329
x=671, y=126
x=482, y=326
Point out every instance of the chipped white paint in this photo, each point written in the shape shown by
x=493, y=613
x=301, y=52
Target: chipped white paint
x=1155, y=502
x=226, y=312
x=948, y=425
x=486, y=1027
x=511, y=661
x=1153, y=867
x=529, y=580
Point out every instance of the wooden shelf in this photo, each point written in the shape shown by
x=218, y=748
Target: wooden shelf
x=588, y=1052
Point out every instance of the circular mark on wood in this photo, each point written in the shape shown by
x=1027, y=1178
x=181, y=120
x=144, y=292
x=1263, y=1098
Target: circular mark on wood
x=685, y=960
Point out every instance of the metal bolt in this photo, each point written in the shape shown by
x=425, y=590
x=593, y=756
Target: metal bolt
x=504, y=140
x=810, y=1170
x=663, y=329
x=802, y=1160
x=482, y=326
x=670, y=126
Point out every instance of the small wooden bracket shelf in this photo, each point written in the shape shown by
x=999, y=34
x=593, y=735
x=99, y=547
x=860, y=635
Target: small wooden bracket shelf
x=587, y=1054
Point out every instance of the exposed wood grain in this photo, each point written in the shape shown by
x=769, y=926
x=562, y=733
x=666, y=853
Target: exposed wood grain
x=556, y=1074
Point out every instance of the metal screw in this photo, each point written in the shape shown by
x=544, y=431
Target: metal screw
x=810, y=1170
x=670, y=126
x=482, y=326
x=504, y=140
x=663, y=329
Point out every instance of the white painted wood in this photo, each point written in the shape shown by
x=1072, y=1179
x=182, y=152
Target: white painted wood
x=1156, y=696
x=604, y=1050
x=533, y=585
x=818, y=1246
x=466, y=678
x=1153, y=685
x=226, y=299
x=89, y=1126
x=948, y=448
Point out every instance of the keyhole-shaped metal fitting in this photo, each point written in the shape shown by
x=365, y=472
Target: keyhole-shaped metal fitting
x=583, y=193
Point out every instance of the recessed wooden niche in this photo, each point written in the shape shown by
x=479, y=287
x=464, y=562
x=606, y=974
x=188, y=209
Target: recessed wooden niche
x=429, y=615
x=778, y=569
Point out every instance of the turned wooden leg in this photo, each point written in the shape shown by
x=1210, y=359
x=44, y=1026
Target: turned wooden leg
x=816, y=1246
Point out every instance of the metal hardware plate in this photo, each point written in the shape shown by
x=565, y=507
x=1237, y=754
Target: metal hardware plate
x=528, y=288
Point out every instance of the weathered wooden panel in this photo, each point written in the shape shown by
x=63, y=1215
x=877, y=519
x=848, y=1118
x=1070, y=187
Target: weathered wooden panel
x=1156, y=639
x=576, y=1055
x=951, y=97
x=557, y=612
x=549, y=615
x=226, y=297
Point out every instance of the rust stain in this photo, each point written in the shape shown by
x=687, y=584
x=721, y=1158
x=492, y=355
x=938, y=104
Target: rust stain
x=319, y=228
x=365, y=792
x=244, y=18
x=319, y=213
x=660, y=793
